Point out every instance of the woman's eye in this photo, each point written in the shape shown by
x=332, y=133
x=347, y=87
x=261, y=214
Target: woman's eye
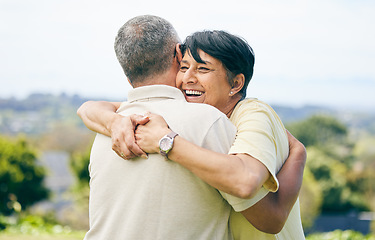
x=183, y=69
x=203, y=69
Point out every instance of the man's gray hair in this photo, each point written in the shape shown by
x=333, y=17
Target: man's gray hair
x=145, y=47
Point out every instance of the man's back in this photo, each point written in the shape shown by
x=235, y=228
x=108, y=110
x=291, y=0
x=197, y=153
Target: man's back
x=156, y=198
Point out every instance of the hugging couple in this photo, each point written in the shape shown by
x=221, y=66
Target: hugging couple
x=188, y=156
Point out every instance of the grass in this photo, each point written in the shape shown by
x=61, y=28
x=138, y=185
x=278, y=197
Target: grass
x=18, y=236
x=36, y=228
x=340, y=235
x=335, y=235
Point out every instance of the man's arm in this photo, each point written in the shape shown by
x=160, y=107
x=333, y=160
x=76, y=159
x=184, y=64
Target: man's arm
x=270, y=214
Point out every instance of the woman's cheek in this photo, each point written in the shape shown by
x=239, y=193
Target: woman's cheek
x=178, y=79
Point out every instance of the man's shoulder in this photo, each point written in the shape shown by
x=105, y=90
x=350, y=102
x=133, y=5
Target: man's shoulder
x=202, y=112
x=204, y=107
x=205, y=126
x=196, y=117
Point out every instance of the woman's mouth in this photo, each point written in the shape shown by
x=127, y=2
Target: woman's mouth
x=193, y=93
x=194, y=96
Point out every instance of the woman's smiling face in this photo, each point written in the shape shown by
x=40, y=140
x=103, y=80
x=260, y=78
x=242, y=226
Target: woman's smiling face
x=204, y=82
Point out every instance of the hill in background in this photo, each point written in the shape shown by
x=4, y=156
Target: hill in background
x=39, y=113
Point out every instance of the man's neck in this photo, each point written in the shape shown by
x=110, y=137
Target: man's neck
x=167, y=78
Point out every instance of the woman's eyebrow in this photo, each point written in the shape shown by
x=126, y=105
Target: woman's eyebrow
x=206, y=62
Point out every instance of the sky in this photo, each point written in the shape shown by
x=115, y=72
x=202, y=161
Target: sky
x=318, y=52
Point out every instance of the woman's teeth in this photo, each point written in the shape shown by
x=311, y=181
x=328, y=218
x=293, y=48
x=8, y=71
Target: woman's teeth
x=193, y=93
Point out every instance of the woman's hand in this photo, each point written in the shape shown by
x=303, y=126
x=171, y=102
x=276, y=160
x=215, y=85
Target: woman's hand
x=122, y=129
x=148, y=136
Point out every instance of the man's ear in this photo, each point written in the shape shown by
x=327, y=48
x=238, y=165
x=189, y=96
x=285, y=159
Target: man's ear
x=178, y=52
x=238, y=83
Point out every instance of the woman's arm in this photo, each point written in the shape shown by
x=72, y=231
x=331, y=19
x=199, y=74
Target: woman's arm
x=270, y=214
x=98, y=116
x=101, y=117
x=234, y=179
x=242, y=178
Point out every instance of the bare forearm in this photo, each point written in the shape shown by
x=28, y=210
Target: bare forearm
x=234, y=174
x=229, y=173
x=270, y=214
x=97, y=115
x=290, y=179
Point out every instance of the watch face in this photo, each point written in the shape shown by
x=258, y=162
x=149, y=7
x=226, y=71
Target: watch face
x=165, y=144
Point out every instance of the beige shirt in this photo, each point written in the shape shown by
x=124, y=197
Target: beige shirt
x=157, y=198
x=261, y=134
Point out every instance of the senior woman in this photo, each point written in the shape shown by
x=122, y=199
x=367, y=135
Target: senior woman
x=216, y=69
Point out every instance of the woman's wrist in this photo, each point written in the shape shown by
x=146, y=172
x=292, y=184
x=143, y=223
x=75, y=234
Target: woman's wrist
x=161, y=134
x=115, y=118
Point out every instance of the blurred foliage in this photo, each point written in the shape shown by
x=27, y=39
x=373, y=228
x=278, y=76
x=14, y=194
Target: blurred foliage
x=334, y=177
x=35, y=225
x=364, y=151
x=319, y=130
x=311, y=198
x=342, y=168
x=340, y=235
x=21, y=179
x=64, y=137
x=79, y=164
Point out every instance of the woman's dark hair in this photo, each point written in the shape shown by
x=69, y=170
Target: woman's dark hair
x=234, y=52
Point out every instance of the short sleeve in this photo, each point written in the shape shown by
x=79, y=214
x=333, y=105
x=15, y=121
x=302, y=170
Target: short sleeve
x=260, y=134
x=240, y=204
x=255, y=137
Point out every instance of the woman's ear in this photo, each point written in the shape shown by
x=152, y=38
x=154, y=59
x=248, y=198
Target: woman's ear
x=178, y=52
x=238, y=83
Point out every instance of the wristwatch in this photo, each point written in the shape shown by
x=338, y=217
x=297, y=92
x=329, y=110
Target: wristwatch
x=166, y=143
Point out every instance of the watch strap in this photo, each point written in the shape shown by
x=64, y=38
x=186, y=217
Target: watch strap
x=171, y=136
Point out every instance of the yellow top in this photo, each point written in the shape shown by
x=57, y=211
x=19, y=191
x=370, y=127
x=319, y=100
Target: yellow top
x=261, y=134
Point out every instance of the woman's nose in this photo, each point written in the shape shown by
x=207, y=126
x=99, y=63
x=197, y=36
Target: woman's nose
x=189, y=77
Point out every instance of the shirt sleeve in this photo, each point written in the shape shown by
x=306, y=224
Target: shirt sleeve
x=255, y=137
x=220, y=138
x=240, y=204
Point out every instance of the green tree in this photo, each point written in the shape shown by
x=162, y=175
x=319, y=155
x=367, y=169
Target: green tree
x=362, y=176
x=21, y=179
x=319, y=130
x=333, y=177
x=79, y=163
x=311, y=198
x=333, y=164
